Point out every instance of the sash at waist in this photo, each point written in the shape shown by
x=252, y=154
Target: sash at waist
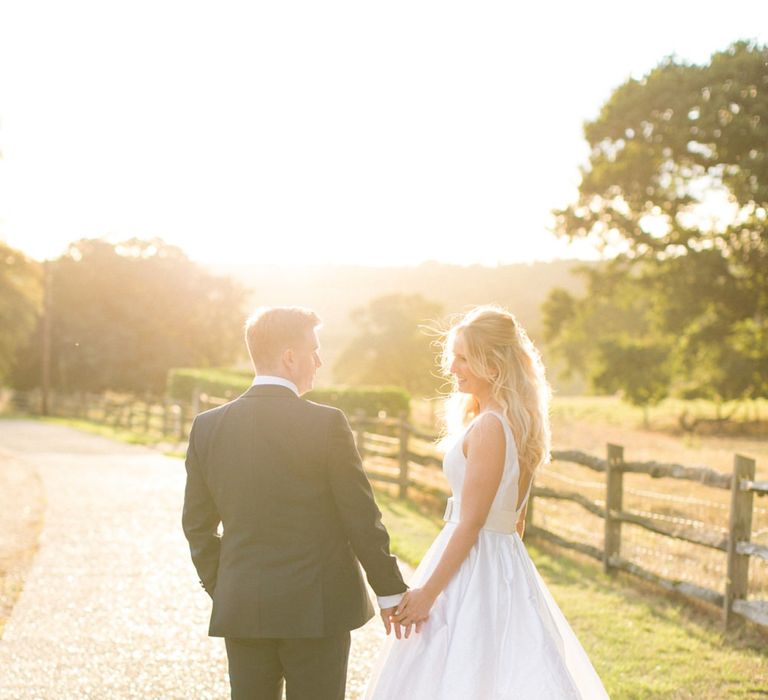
x=502, y=521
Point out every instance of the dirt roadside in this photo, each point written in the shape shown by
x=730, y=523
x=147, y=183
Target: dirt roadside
x=22, y=507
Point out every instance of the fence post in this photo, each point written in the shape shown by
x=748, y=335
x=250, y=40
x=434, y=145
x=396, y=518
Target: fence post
x=614, y=490
x=360, y=432
x=166, y=417
x=739, y=530
x=195, y=402
x=147, y=412
x=181, y=427
x=404, y=435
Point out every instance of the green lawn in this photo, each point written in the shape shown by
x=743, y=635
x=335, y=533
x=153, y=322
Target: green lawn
x=644, y=643
x=411, y=528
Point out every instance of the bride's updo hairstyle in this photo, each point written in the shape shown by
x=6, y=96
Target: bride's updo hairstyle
x=499, y=351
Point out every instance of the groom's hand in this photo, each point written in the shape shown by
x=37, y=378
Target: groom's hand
x=386, y=618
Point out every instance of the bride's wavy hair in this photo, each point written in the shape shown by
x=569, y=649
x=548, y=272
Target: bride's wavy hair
x=499, y=351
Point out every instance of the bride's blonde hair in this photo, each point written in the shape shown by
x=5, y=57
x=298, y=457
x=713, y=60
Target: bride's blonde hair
x=498, y=350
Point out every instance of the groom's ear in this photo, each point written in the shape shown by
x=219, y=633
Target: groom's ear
x=288, y=357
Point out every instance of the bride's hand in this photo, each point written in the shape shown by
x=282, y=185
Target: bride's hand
x=413, y=610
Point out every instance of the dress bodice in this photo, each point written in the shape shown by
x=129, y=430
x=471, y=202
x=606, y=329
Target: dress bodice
x=455, y=465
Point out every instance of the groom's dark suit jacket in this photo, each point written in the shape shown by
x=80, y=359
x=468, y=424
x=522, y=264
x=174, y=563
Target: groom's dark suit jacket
x=283, y=476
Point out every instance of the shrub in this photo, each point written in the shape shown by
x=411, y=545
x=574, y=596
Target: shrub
x=229, y=383
x=220, y=382
x=370, y=400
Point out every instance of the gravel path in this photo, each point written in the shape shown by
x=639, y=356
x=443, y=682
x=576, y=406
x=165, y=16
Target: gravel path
x=111, y=606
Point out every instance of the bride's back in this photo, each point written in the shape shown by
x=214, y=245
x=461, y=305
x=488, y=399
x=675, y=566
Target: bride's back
x=455, y=464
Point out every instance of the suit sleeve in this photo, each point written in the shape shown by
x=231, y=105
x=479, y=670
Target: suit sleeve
x=200, y=520
x=359, y=512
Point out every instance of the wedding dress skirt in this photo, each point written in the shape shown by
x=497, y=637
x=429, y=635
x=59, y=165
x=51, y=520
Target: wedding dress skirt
x=495, y=631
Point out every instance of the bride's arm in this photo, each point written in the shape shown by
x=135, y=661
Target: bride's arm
x=485, y=464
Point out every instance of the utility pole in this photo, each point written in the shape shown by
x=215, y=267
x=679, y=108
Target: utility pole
x=45, y=405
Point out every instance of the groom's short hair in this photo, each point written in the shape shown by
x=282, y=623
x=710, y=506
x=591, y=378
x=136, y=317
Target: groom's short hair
x=271, y=330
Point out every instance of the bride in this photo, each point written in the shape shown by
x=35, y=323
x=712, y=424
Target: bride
x=486, y=626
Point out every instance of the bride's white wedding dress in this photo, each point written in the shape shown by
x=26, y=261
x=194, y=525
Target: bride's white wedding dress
x=495, y=631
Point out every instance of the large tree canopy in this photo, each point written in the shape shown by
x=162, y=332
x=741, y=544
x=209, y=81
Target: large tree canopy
x=391, y=347
x=677, y=185
x=122, y=315
x=678, y=161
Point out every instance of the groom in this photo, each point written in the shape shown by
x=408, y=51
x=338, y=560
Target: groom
x=283, y=477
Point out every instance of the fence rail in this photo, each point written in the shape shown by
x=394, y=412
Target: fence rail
x=735, y=543
x=397, y=453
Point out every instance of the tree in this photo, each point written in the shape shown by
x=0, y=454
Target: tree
x=635, y=368
x=677, y=182
x=609, y=337
x=391, y=347
x=21, y=297
x=124, y=314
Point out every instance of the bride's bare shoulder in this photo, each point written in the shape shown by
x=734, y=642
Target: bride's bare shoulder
x=486, y=436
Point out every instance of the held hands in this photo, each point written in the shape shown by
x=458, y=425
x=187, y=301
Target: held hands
x=388, y=617
x=413, y=611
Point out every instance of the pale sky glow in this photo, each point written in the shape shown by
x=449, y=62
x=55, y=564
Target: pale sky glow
x=312, y=132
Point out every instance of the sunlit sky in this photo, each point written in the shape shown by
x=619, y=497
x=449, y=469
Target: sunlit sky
x=349, y=132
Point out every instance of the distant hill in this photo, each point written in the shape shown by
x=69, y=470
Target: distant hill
x=334, y=291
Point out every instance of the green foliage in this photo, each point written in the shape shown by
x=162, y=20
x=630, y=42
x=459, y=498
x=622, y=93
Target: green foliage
x=635, y=368
x=391, y=347
x=228, y=383
x=124, y=314
x=609, y=336
x=677, y=180
x=368, y=400
x=183, y=383
x=21, y=296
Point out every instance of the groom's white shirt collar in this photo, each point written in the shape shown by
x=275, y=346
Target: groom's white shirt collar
x=281, y=381
x=384, y=601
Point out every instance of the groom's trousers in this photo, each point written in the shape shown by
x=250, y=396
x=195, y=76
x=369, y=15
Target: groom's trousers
x=313, y=668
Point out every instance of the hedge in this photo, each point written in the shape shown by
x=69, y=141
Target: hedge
x=369, y=400
x=228, y=384
x=225, y=383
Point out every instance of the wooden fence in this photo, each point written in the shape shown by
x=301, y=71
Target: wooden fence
x=397, y=453
x=393, y=439
x=154, y=417
x=735, y=545
x=151, y=416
